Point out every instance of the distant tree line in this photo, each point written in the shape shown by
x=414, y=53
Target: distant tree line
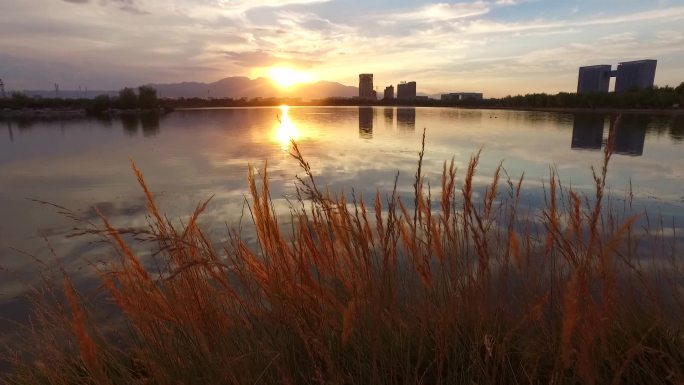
x=145, y=99
x=646, y=98
x=650, y=98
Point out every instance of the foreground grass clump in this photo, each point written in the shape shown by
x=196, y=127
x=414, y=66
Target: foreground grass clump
x=444, y=289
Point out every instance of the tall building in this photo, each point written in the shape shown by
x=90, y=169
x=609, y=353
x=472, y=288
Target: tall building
x=389, y=93
x=366, y=91
x=635, y=74
x=594, y=79
x=406, y=91
x=629, y=75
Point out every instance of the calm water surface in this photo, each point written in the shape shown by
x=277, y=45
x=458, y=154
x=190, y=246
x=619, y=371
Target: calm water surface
x=190, y=155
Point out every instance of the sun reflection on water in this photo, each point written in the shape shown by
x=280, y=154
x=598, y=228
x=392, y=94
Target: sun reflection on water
x=285, y=131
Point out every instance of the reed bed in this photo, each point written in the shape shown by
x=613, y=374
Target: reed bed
x=449, y=287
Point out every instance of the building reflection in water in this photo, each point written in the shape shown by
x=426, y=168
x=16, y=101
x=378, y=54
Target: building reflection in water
x=628, y=137
x=389, y=117
x=406, y=119
x=366, y=122
x=676, y=127
x=587, y=132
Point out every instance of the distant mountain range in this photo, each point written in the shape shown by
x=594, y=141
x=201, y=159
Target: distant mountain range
x=232, y=87
x=242, y=87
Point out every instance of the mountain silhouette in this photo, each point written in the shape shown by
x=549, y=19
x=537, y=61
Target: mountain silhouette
x=242, y=87
x=234, y=87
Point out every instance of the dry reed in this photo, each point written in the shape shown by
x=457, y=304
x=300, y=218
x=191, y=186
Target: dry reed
x=469, y=291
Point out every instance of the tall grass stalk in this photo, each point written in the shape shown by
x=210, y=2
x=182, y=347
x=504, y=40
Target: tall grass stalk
x=469, y=290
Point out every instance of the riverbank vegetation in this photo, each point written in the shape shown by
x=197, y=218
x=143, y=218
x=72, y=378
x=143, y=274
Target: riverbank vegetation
x=145, y=99
x=646, y=98
x=454, y=285
x=656, y=98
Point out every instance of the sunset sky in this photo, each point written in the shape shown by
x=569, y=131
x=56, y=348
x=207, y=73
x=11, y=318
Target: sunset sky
x=498, y=47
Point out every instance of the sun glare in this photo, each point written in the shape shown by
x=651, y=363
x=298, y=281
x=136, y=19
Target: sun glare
x=286, y=131
x=286, y=77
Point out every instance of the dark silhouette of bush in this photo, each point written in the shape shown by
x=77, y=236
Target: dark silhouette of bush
x=100, y=104
x=128, y=100
x=147, y=98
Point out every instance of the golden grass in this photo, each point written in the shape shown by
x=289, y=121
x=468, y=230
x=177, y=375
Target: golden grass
x=466, y=291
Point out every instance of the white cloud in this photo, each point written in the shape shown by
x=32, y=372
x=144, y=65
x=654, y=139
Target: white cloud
x=442, y=12
x=485, y=26
x=466, y=42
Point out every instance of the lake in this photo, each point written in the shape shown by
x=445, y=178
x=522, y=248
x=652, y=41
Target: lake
x=190, y=155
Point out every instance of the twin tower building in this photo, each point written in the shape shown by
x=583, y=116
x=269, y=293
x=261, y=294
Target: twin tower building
x=629, y=75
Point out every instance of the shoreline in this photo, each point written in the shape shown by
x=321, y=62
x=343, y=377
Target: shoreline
x=635, y=111
x=75, y=113
x=672, y=111
x=56, y=113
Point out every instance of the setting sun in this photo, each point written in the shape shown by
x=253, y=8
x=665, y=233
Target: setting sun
x=286, y=77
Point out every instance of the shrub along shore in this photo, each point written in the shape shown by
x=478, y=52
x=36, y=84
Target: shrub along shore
x=451, y=286
x=661, y=100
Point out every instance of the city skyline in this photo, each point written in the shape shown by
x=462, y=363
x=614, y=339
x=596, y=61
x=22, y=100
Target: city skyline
x=498, y=47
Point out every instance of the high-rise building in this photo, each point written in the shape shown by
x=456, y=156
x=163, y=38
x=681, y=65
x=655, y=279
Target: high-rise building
x=635, y=74
x=389, y=93
x=629, y=75
x=594, y=79
x=406, y=91
x=366, y=91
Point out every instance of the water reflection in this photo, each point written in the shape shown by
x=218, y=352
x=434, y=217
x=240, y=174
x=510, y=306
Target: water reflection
x=587, y=132
x=389, y=117
x=285, y=131
x=150, y=124
x=628, y=136
x=366, y=122
x=676, y=125
x=130, y=123
x=82, y=163
x=105, y=120
x=406, y=119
